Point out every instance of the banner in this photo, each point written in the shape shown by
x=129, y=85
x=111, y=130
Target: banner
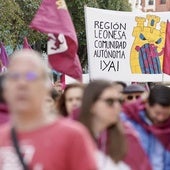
x=125, y=46
x=53, y=18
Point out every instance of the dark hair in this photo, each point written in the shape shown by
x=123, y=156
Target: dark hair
x=116, y=139
x=54, y=94
x=2, y=100
x=62, y=103
x=159, y=94
x=123, y=84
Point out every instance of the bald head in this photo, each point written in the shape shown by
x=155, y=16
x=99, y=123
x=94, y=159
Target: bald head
x=28, y=56
x=26, y=53
x=27, y=81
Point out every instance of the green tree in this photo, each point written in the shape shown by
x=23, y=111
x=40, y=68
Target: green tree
x=16, y=16
x=11, y=22
x=118, y=5
x=29, y=8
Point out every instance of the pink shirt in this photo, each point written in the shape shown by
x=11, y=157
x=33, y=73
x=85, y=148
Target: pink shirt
x=63, y=145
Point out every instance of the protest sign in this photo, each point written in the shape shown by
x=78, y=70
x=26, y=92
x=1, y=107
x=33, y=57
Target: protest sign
x=125, y=46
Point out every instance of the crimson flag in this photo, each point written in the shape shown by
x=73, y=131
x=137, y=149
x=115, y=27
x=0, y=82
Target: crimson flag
x=26, y=44
x=166, y=59
x=3, y=58
x=54, y=19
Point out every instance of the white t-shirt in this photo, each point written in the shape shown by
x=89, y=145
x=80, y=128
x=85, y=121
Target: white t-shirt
x=104, y=162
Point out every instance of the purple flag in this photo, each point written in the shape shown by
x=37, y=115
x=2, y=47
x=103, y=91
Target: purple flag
x=3, y=58
x=26, y=44
x=166, y=59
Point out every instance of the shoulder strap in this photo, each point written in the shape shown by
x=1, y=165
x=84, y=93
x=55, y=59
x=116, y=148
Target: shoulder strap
x=17, y=149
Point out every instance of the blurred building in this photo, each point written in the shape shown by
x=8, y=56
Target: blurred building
x=136, y=5
x=155, y=5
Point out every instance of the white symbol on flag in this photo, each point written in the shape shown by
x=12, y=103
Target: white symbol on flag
x=56, y=44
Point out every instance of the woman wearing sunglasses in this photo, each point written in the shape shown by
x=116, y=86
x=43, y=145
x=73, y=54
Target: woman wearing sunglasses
x=100, y=110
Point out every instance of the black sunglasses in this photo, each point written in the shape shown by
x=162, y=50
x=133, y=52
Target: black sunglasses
x=111, y=101
x=130, y=97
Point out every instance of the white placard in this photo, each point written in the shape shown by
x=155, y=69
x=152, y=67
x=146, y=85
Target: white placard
x=125, y=46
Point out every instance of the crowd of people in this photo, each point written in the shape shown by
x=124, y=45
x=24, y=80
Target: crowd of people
x=101, y=125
